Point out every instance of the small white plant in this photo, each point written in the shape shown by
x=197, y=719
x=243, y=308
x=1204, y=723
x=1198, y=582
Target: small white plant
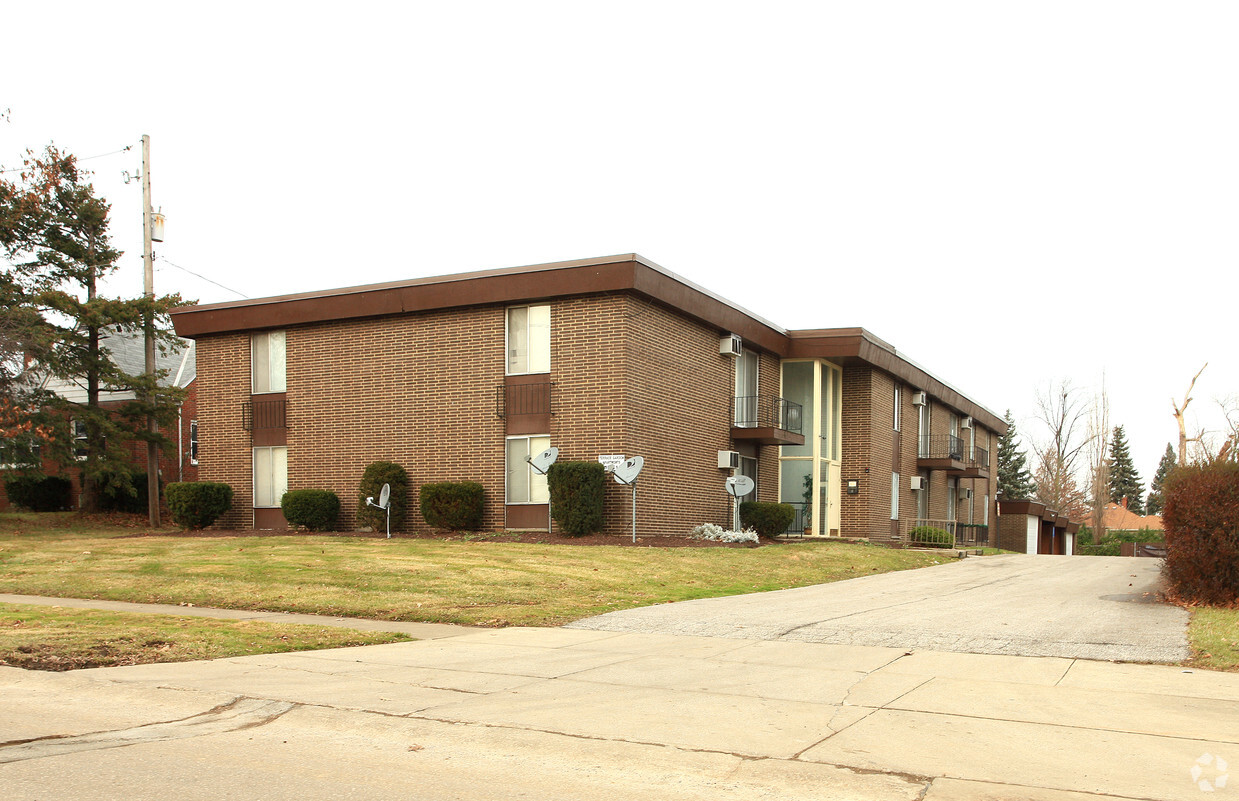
x=709, y=531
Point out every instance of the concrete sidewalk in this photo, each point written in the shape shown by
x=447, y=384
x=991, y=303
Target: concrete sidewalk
x=559, y=713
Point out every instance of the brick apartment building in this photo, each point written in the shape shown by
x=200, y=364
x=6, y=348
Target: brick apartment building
x=180, y=463
x=461, y=377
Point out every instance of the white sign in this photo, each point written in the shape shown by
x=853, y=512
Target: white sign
x=610, y=461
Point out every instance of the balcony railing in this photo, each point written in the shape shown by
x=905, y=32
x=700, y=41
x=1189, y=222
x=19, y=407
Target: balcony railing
x=766, y=411
x=927, y=533
x=979, y=457
x=940, y=446
x=518, y=399
x=264, y=413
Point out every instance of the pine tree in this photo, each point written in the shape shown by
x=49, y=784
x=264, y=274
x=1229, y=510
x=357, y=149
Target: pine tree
x=54, y=234
x=1014, y=480
x=1125, y=482
x=1156, y=499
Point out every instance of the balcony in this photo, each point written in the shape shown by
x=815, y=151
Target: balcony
x=262, y=413
x=941, y=452
x=923, y=533
x=517, y=400
x=766, y=420
x=977, y=463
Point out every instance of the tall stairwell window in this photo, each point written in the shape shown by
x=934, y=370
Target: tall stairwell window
x=529, y=340
x=268, y=362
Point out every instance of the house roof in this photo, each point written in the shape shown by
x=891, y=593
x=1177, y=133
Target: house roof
x=129, y=353
x=627, y=272
x=1117, y=517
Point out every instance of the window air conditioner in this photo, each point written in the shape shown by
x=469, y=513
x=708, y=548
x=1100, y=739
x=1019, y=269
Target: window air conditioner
x=965, y=493
x=730, y=345
x=918, y=482
x=966, y=423
x=728, y=460
x=919, y=399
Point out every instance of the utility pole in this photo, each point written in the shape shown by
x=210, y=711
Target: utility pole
x=148, y=290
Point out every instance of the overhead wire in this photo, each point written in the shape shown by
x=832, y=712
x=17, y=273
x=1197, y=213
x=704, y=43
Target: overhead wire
x=199, y=275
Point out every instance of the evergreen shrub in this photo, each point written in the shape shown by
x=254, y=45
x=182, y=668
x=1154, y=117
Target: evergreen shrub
x=453, y=505
x=1202, y=533
x=577, y=490
x=930, y=537
x=767, y=519
x=315, y=509
x=197, y=504
x=39, y=493
x=123, y=492
x=373, y=478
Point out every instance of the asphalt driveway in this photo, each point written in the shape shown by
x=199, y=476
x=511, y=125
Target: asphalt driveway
x=1102, y=607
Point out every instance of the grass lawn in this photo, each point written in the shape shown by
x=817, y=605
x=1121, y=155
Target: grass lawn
x=482, y=583
x=1214, y=637
x=54, y=638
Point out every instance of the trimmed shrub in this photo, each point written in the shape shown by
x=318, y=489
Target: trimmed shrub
x=578, y=490
x=1202, y=533
x=197, y=504
x=315, y=509
x=767, y=519
x=39, y=493
x=453, y=505
x=930, y=537
x=373, y=478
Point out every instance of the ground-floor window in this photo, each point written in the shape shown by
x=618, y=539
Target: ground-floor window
x=193, y=442
x=270, y=476
x=524, y=484
x=894, y=496
x=922, y=498
x=748, y=467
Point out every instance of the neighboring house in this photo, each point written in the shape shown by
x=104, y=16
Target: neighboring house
x=461, y=377
x=128, y=352
x=1117, y=517
x=1032, y=527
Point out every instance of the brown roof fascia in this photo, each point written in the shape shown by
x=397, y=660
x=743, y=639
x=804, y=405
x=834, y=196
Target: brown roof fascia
x=851, y=346
x=624, y=273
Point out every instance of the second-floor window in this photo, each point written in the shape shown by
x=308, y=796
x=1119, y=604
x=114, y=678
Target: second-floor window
x=529, y=339
x=268, y=362
x=897, y=401
x=193, y=442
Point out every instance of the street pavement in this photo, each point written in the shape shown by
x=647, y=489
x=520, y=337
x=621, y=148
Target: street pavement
x=581, y=713
x=1100, y=607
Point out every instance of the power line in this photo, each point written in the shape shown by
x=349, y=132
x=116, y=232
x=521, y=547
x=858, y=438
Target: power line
x=198, y=275
x=124, y=149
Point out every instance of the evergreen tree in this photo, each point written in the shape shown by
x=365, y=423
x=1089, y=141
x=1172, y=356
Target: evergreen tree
x=1156, y=499
x=1014, y=480
x=1124, y=480
x=54, y=235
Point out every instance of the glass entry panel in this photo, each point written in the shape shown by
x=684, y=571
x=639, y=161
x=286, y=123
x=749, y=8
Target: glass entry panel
x=809, y=473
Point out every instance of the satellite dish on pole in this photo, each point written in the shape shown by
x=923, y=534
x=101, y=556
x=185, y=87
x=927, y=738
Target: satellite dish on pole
x=543, y=461
x=739, y=486
x=627, y=472
x=384, y=504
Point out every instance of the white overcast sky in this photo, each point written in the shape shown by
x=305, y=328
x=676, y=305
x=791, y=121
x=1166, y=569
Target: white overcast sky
x=1011, y=194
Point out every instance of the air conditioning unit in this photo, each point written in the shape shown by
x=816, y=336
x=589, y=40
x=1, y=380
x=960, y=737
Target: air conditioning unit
x=730, y=345
x=965, y=493
x=966, y=423
x=919, y=399
x=728, y=460
x=917, y=482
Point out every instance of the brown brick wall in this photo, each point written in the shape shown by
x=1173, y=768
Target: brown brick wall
x=856, y=518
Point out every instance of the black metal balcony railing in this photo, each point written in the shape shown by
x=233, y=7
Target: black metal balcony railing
x=979, y=457
x=925, y=533
x=940, y=446
x=263, y=413
x=518, y=399
x=766, y=411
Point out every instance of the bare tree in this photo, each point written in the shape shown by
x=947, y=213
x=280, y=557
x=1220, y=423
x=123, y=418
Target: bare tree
x=1098, y=444
x=1063, y=412
x=1179, y=409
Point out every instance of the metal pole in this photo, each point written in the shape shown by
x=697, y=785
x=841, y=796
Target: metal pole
x=634, y=512
x=148, y=325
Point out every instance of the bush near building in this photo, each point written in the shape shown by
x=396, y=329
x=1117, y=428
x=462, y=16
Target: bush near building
x=577, y=493
x=315, y=509
x=1201, y=519
x=767, y=519
x=373, y=478
x=453, y=505
x=39, y=493
x=197, y=504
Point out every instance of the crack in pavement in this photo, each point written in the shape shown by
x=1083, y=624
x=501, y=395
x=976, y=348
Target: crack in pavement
x=236, y=715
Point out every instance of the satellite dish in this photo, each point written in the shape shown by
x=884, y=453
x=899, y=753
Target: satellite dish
x=543, y=461
x=627, y=472
x=385, y=496
x=739, y=486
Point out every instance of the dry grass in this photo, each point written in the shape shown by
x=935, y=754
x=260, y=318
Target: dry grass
x=1214, y=637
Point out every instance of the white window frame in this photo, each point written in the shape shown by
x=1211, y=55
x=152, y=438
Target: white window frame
x=276, y=379
x=532, y=477
x=898, y=401
x=80, y=434
x=529, y=343
x=275, y=486
x=894, y=495
x=193, y=442
x=924, y=422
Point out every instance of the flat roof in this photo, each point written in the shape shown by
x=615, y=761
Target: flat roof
x=626, y=272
